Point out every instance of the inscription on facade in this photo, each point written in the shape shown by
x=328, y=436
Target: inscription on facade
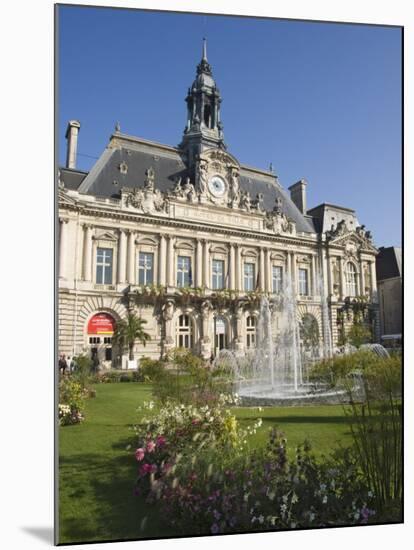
x=227, y=219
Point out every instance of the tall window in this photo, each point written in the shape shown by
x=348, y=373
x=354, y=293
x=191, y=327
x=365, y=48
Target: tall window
x=250, y=332
x=218, y=274
x=146, y=268
x=184, y=271
x=249, y=276
x=104, y=266
x=277, y=279
x=351, y=279
x=184, y=332
x=303, y=282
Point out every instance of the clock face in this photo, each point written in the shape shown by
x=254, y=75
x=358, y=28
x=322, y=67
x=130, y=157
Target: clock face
x=217, y=186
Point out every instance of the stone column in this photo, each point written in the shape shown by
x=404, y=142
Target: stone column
x=87, y=252
x=373, y=280
x=122, y=256
x=199, y=265
x=238, y=341
x=238, y=268
x=268, y=271
x=206, y=266
x=294, y=274
x=362, y=279
x=131, y=265
x=262, y=270
x=171, y=262
x=161, y=260
x=232, y=272
x=342, y=276
x=313, y=275
x=63, y=228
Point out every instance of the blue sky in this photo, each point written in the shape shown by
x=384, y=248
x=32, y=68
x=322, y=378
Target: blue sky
x=320, y=101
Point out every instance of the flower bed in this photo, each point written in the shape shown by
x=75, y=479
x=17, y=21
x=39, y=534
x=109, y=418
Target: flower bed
x=196, y=463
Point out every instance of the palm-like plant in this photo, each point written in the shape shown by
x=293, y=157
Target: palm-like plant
x=128, y=331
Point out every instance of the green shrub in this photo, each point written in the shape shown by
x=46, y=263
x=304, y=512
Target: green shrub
x=71, y=401
x=82, y=372
x=374, y=417
x=190, y=379
x=359, y=334
x=151, y=369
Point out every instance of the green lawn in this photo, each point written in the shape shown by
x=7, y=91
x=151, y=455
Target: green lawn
x=96, y=472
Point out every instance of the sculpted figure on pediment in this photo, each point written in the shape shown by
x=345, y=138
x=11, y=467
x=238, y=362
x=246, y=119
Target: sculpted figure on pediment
x=245, y=201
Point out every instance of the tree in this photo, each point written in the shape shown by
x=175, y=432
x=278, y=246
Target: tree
x=128, y=331
x=359, y=334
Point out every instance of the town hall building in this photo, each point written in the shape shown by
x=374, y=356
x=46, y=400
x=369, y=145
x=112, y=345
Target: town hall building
x=189, y=238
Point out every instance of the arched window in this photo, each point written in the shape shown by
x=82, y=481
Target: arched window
x=184, y=332
x=250, y=332
x=351, y=279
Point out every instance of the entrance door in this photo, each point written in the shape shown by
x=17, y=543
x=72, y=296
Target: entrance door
x=100, y=330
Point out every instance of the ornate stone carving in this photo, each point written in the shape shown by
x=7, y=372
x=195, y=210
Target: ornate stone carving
x=278, y=223
x=351, y=248
x=147, y=199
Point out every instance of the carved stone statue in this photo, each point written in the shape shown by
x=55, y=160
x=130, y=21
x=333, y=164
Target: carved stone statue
x=245, y=202
x=149, y=183
x=201, y=176
x=168, y=310
x=258, y=202
x=235, y=188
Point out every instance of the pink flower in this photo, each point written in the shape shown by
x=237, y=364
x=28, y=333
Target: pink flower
x=195, y=421
x=153, y=468
x=145, y=469
x=160, y=441
x=139, y=454
x=150, y=446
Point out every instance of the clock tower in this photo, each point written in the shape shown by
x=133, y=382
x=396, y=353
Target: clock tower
x=204, y=129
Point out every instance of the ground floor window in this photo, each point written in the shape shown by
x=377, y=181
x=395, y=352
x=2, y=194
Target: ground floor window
x=184, y=336
x=250, y=332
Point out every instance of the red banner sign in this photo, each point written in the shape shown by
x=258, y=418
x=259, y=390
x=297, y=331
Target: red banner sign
x=101, y=323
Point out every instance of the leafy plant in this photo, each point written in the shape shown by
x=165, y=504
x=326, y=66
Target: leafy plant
x=128, y=331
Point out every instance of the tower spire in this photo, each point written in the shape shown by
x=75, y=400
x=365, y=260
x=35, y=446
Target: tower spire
x=204, y=128
x=204, y=58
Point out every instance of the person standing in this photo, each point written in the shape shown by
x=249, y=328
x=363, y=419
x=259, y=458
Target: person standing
x=62, y=364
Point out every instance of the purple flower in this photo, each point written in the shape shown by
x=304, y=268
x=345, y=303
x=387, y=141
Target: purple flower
x=216, y=514
x=215, y=529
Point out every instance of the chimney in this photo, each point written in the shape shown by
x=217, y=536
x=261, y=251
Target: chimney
x=72, y=137
x=298, y=194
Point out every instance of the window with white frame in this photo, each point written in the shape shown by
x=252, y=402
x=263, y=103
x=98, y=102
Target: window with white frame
x=249, y=276
x=277, y=279
x=104, y=261
x=184, y=336
x=146, y=268
x=303, y=282
x=184, y=271
x=250, y=332
x=217, y=274
x=351, y=279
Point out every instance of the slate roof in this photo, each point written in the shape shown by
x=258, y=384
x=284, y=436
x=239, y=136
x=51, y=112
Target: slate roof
x=106, y=179
x=388, y=263
x=72, y=178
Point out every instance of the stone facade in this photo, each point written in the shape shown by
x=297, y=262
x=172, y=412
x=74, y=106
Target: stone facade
x=189, y=239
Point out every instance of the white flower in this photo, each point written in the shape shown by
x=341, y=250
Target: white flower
x=325, y=500
x=261, y=519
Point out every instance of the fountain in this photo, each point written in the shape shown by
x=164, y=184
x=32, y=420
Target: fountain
x=274, y=372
